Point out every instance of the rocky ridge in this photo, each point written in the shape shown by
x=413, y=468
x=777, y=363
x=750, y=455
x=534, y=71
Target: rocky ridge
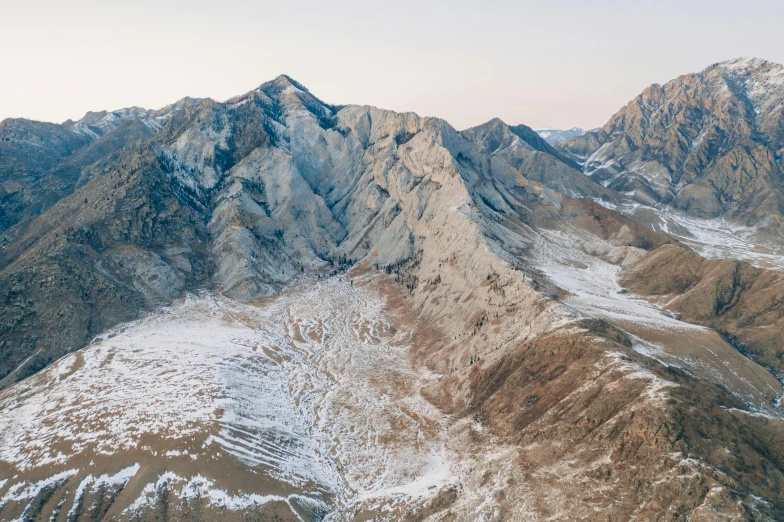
x=707, y=144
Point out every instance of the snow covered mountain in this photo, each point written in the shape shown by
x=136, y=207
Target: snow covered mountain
x=275, y=308
x=558, y=135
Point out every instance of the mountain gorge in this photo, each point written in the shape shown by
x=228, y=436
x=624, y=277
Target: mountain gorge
x=274, y=308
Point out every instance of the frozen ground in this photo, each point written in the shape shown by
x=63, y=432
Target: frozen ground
x=711, y=238
x=311, y=390
x=580, y=264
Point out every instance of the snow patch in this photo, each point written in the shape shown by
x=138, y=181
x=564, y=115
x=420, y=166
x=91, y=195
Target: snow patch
x=304, y=390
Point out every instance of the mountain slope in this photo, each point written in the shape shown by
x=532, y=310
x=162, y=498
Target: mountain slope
x=43, y=162
x=708, y=144
x=738, y=300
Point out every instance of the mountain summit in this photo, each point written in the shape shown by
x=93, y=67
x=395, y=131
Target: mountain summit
x=708, y=144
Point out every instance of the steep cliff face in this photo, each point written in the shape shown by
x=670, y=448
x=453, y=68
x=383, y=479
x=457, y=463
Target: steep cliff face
x=708, y=144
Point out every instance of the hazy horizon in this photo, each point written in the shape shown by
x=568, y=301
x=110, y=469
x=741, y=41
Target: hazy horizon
x=561, y=64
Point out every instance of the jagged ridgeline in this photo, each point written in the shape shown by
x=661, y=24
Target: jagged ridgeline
x=125, y=211
x=708, y=144
x=273, y=308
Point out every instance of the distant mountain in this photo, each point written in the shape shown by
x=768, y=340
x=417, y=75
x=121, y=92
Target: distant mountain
x=42, y=162
x=558, y=135
x=275, y=308
x=708, y=144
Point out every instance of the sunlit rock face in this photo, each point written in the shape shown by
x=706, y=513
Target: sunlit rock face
x=708, y=145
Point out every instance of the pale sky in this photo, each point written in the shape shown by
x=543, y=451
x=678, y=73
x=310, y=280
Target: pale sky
x=555, y=63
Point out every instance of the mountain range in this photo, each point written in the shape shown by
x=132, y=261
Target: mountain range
x=274, y=308
x=552, y=136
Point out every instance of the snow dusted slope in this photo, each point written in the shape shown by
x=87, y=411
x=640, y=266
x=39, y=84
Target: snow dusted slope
x=589, y=269
x=305, y=404
x=716, y=238
x=713, y=238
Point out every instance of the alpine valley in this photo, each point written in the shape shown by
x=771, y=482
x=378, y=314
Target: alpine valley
x=274, y=308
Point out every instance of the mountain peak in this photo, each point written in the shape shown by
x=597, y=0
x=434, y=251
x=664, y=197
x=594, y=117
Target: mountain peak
x=284, y=81
x=493, y=123
x=746, y=63
x=767, y=73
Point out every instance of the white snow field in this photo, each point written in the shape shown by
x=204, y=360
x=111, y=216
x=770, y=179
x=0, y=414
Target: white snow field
x=711, y=238
x=311, y=392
